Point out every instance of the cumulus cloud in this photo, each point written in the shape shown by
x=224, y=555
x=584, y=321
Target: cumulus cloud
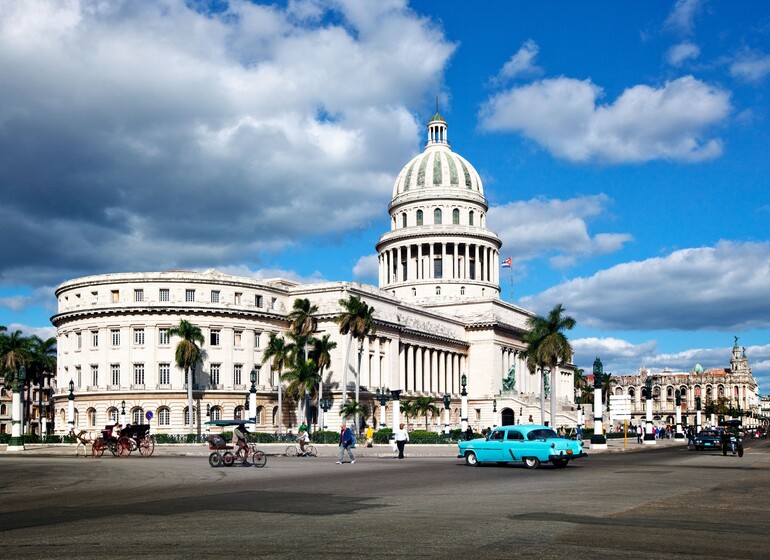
x=520, y=64
x=367, y=269
x=557, y=229
x=141, y=134
x=681, y=19
x=43, y=332
x=679, y=54
x=751, y=67
x=709, y=288
x=644, y=123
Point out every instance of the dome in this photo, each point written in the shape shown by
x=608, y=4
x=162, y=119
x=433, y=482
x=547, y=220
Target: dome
x=438, y=167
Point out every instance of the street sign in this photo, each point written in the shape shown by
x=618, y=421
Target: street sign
x=620, y=407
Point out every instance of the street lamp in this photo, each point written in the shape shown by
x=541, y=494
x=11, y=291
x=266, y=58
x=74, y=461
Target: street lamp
x=494, y=413
x=447, y=401
x=17, y=440
x=253, y=394
x=649, y=432
x=383, y=397
x=598, y=441
x=678, y=403
x=71, y=406
x=326, y=404
x=463, y=403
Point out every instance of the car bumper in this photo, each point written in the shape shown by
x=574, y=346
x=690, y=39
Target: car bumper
x=566, y=456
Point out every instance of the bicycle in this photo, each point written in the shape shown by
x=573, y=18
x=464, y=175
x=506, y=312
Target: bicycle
x=294, y=450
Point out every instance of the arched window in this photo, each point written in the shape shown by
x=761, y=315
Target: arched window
x=419, y=217
x=403, y=219
x=721, y=391
x=618, y=390
x=260, y=414
x=437, y=216
x=238, y=413
x=164, y=416
x=112, y=415
x=470, y=218
x=414, y=292
x=670, y=392
x=91, y=417
x=3, y=410
x=216, y=413
x=187, y=415
x=137, y=416
x=631, y=392
x=462, y=290
x=438, y=290
x=455, y=216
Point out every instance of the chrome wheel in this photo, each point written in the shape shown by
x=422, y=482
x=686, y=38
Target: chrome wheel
x=471, y=460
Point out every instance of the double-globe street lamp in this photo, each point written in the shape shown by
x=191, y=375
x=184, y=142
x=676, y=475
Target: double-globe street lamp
x=383, y=397
x=447, y=401
x=463, y=403
x=326, y=404
x=16, y=442
x=598, y=441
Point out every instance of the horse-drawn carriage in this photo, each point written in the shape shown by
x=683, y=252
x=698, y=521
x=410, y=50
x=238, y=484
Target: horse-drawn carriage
x=128, y=439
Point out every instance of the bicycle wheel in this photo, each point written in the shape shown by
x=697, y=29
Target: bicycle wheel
x=311, y=451
x=146, y=446
x=259, y=459
x=291, y=451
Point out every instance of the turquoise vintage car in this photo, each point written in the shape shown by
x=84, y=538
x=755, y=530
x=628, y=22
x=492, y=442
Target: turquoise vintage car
x=530, y=444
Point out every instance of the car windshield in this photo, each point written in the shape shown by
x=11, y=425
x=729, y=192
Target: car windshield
x=708, y=433
x=542, y=433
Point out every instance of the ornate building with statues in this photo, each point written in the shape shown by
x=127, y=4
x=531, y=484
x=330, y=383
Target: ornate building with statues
x=438, y=315
x=730, y=392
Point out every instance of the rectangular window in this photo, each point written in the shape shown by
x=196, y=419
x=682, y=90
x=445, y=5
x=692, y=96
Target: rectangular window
x=78, y=374
x=115, y=335
x=138, y=295
x=163, y=337
x=256, y=339
x=95, y=375
x=95, y=297
x=438, y=268
x=258, y=301
x=115, y=296
x=214, y=296
x=189, y=295
x=214, y=373
x=214, y=338
x=237, y=337
x=164, y=374
x=237, y=374
x=95, y=339
x=115, y=371
x=139, y=337
x=237, y=298
x=80, y=340
x=164, y=294
x=138, y=374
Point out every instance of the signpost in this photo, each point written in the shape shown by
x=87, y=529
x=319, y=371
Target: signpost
x=620, y=409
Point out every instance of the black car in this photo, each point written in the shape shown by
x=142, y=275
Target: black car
x=710, y=438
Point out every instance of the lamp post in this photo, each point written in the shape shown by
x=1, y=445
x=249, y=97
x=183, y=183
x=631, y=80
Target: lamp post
x=395, y=394
x=579, y=416
x=678, y=402
x=598, y=441
x=383, y=397
x=447, y=402
x=246, y=408
x=463, y=403
x=123, y=413
x=253, y=395
x=326, y=404
x=494, y=413
x=649, y=433
x=17, y=441
x=71, y=406
x=697, y=414
x=208, y=416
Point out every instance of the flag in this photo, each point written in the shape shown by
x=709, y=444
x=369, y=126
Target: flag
x=507, y=263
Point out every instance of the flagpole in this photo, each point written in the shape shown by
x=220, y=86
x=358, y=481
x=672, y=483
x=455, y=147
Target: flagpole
x=510, y=275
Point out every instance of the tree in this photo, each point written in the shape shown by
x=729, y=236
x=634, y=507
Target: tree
x=321, y=355
x=302, y=378
x=607, y=383
x=14, y=353
x=580, y=383
x=301, y=317
x=277, y=353
x=42, y=366
x=187, y=356
x=421, y=406
x=356, y=321
x=549, y=347
x=408, y=410
x=351, y=408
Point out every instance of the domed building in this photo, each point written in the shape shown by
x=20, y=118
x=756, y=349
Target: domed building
x=441, y=328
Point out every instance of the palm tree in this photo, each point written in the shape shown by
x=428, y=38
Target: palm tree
x=278, y=352
x=580, y=383
x=301, y=317
x=421, y=406
x=356, y=321
x=41, y=367
x=588, y=395
x=14, y=353
x=549, y=348
x=408, y=410
x=187, y=356
x=607, y=383
x=321, y=355
x=351, y=408
x=303, y=378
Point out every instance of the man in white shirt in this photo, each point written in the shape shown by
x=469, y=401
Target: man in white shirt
x=401, y=436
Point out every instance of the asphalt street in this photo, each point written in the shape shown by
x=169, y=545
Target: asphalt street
x=665, y=502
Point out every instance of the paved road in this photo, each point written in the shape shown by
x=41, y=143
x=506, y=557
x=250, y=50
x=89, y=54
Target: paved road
x=660, y=503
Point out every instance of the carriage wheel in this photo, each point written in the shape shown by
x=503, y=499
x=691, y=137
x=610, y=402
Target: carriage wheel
x=291, y=451
x=259, y=459
x=146, y=446
x=215, y=459
x=228, y=459
x=123, y=447
x=98, y=447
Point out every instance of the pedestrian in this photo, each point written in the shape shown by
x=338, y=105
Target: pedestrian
x=346, y=442
x=580, y=433
x=690, y=437
x=530, y=419
x=402, y=436
x=369, y=436
x=639, y=433
x=469, y=432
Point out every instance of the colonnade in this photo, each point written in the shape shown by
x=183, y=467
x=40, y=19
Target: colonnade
x=430, y=370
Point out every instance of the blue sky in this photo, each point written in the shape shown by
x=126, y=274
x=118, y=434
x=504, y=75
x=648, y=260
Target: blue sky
x=623, y=148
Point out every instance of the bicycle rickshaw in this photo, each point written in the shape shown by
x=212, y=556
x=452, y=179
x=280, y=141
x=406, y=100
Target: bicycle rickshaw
x=222, y=451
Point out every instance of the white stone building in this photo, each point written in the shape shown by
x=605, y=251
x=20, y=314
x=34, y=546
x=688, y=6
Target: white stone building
x=438, y=315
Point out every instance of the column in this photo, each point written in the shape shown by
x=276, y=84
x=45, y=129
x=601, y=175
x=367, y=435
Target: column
x=433, y=372
x=410, y=272
x=409, y=366
x=419, y=366
x=431, y=257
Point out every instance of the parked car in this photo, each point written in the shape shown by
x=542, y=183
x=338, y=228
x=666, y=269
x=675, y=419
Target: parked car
x=708, y=438
x=530, y=444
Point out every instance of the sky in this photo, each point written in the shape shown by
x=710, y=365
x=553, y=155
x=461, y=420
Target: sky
x=623, y=148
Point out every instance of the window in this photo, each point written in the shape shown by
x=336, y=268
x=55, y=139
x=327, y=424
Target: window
x=78, y=375
x=214, y=296
x=438, y=290
x=95, y=297
x=137, y=416
x=497, y=435
x=80, y=340
x=455, y=216
x=256, y=339
x=112, y=414
x=462, y=290
x=438, y=267
x=214, y=337
x=403, y=219
x=95, y=375
x=164, y=373
x=214, y=373
x=238, y=413
x=164, y=294
x=139, y=337
x=514, y=435
x=115, y=296
x=238, y=374
x=95, y=339
x=216, y=413
x=237, y=298
x=115, y=336
x=237, y=337
x=437, y=216
x=187, y=415
x=257, y=369
x=189, y=295
x=138, y=374
x=163, y=336
x=164, y=417
x=138, y=295
x=470, y=218
x=115, y=370
x=419, y=217
x=257, y=301
x=91, y=417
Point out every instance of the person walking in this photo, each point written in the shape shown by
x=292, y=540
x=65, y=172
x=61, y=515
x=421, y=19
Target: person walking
x=346, y=442
x=639, y=433
x=401, y=436
x=369, y=436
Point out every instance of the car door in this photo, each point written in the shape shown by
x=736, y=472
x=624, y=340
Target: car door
x=514, y=445
x=493, y=447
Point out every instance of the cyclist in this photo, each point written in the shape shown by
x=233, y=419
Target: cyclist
x=303, y=439
x=240, y=432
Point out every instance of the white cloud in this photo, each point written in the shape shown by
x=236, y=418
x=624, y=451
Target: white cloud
x=367, y=269
x=557, y=229
x=644, y=123
x=710, y=288
x=751, y=67
x=157, y=136
x=521, y=64
x=43, y=332
x=678, y=54
x=682, y=16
